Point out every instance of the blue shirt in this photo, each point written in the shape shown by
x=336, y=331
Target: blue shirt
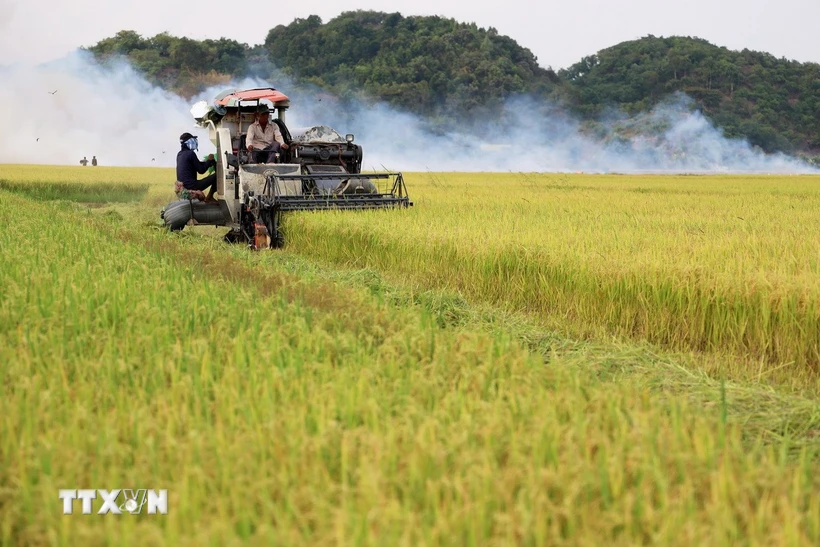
x=188, y=165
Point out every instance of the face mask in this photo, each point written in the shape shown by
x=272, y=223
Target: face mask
x=192, y=143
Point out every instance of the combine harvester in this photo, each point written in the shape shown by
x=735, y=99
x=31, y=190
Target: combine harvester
x=319, y=170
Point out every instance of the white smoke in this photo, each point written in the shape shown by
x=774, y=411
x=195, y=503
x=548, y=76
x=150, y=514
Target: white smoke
x=535, y=136
x=58, y=112
x=115, y=114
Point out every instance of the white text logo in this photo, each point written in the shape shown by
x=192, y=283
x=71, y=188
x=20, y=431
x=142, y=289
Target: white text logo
x=116, y=502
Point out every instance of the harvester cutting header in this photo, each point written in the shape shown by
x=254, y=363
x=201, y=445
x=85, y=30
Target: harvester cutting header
x=315, y=168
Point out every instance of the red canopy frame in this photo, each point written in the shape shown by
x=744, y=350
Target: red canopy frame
x=268, y=93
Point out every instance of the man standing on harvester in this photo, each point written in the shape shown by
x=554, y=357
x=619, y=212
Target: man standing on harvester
x=264, y=139
x=188, y=165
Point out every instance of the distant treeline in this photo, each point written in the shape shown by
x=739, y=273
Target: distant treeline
x=774, y=103
x=446, y=70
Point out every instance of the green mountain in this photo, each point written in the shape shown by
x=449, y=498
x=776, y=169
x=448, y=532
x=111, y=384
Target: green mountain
x=445, y=70
x=428, y=65
x=181, y=65
x=774, y=103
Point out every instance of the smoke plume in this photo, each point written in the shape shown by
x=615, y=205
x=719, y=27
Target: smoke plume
x=61, y=111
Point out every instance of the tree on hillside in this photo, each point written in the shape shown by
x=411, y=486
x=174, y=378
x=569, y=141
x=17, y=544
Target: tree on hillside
x=182, y=65
x=429, y=65
x=771, y=102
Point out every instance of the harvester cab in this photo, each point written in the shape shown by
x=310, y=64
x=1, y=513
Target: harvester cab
x=319, y=169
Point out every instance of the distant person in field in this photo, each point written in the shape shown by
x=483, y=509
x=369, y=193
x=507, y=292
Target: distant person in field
x=93, y=161
x=264, y=140
x=84, y=161
x=188, y=165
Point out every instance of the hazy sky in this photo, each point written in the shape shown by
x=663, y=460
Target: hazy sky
x=558, y=33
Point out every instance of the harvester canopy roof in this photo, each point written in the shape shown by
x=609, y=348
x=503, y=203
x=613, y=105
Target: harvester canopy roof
x=233, y=97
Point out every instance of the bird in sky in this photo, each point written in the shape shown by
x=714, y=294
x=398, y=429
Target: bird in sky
x=53, y=92
x=152, y=159
x=38, y=139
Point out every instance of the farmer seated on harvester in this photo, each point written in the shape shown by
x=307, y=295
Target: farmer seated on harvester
x=188, y=165
x=264, y=140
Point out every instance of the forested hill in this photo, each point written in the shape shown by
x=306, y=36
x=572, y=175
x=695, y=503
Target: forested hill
x=774, y=103
x=429, y=65
x=446, y=70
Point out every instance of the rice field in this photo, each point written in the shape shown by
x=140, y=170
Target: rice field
x=717, y=264
x=349, y=391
